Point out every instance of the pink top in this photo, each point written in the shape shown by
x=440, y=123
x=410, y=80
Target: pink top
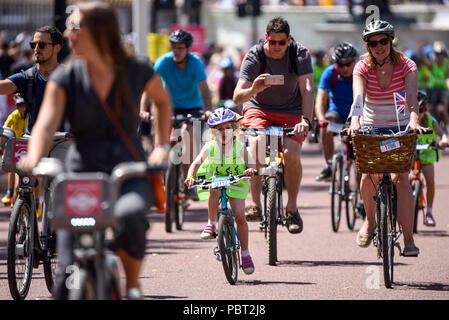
x=379, y=110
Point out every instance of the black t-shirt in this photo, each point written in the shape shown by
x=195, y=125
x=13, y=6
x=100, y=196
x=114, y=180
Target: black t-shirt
x=98, y=146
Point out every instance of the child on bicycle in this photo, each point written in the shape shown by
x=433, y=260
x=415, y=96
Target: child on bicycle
x=18, y=122
x=221, y=156
x=428, y=157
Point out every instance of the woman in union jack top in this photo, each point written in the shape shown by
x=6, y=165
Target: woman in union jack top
x=386, y=84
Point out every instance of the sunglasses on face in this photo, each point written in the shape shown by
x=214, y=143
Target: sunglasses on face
x=374, y=43
x=41, y=45
x=347, y=64
x=272, y=42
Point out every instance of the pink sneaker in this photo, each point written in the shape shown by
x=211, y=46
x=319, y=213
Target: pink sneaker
x=208, y=232
x=247, y=265
x=429, y=220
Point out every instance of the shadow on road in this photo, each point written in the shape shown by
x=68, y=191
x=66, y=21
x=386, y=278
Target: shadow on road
x=258, y=282
x=434, y=233
x=164, y=297
x=333, y=263
x=432, y=286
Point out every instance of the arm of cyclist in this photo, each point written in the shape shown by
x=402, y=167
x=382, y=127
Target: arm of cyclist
x=305, y=83
x=207, y=97
x=145, y=106
x=358, y=88
x=48, y=121
x=7, y=87
x=444, y=141
x=190, y=180
x=244, y=89
x=162, y=115
x=321, y=104
x=411, y=90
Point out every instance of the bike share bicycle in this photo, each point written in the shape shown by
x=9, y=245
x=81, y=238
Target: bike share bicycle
x=27, y=247
x=385, y=154
x=345, y=184
x=272, y=185
x=83, y=203
x=176, y=202
x=417, y=183
x=228, y=248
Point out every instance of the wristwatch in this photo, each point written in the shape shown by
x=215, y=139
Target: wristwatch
x=308, y=122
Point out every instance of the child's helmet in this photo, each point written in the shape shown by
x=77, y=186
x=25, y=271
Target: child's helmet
x=422, y=97
x=18, y=99
x=221, y=115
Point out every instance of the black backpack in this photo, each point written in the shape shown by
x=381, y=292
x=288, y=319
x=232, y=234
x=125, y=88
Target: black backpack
x=292, y=51
x=29, y=85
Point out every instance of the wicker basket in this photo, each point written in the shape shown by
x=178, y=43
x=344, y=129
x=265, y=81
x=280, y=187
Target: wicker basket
x=370, y=158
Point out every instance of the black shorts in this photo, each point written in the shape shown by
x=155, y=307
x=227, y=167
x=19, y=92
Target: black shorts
x=332, y=114
x=436, y=96
x=194, y=112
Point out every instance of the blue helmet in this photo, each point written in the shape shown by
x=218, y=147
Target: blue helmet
x=221, y=115
x=226, y=63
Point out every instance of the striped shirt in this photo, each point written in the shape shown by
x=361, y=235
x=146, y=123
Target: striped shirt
x=379, y=110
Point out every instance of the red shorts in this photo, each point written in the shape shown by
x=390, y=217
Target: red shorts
x=258, y=118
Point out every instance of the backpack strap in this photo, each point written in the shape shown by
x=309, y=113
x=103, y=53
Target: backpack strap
x=29, y=85
x=334, y=77
x=261, y=56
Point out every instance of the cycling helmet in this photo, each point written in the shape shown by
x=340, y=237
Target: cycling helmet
x=181, y=36
x=422, y=97
x=377, y=27
x=221, y=115
x=226, y=63
x=344, y=51
x=18, y=99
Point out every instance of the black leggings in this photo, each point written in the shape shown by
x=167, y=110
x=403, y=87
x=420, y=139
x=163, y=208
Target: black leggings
x=130, y=209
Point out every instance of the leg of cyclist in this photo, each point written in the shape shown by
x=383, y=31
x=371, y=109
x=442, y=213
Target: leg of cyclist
x=212, y=205
x=238, y=208
x=257, y=150
x=405, y=211
x=429, y=174
x=368, y=191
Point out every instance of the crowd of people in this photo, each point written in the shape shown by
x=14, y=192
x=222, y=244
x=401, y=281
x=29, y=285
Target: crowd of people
x=122, y=90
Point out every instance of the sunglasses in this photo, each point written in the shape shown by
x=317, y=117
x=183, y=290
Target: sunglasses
x=347, y=64
x=374, y=43
x=272, y=42
x=41, y=45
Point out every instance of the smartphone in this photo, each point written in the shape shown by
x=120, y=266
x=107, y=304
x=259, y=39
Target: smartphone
x=275, y=80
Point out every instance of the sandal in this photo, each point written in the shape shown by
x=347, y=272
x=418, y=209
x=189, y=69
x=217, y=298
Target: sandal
x=253, y=213
x=294, y=221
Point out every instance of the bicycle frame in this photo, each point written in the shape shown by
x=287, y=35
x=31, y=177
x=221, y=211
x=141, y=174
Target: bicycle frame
x=228, y=213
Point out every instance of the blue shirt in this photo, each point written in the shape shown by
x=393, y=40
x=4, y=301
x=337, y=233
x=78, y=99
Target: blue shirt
x=182, y=83
x=341, y=95
x=19, y=79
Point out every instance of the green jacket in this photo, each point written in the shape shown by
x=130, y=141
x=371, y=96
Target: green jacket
x=428, y=156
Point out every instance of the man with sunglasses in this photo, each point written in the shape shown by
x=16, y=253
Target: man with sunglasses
x=267, y=105
x=334, y=99
x=46, y=44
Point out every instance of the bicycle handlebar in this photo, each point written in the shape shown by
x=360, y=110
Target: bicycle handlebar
x=206, y=184
x=362, y=131
x=259, y=131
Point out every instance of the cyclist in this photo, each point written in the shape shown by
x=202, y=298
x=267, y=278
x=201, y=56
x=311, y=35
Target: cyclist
x=335, y=96
x=184, y=76
x=223, y=155
x=438, y=81
x=103, y=74
x=382, y=72
x=265, y=105
x=17, y=121
x=428, y=157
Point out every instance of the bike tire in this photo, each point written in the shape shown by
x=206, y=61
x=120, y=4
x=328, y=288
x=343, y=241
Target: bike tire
x=416, y=187
x=50, y=266
x=86, y=290
x=228, y=250
x=352, y=196
x=170, y=189
x=386, y=236
x=179, y=210
x=21, y=214
x=271, y=214
x=336, y=199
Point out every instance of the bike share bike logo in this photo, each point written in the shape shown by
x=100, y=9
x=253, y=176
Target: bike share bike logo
x=19, y=150
x=83, y=198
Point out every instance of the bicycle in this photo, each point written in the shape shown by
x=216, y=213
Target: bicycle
x=228, y=243
x=27, y=247
x=344, y=182
x=417, y=183
x=385, y=154
x=272, y=185
x=83, y=203
x=176, y=201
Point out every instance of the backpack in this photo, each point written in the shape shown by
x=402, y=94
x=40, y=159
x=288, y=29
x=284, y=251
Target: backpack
x=334, y=77
x=29, y=85
x=292, y=51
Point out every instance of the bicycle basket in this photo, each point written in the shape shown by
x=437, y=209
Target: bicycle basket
x=384, y=154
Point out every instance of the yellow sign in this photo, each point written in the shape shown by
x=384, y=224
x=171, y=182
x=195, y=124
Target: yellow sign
x=158, y=44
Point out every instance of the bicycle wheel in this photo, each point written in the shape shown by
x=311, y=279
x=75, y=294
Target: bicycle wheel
x=228, y=248
x=336, y=199
x=386, y=233
x=86, y=289
x=20, y=256
x=271, y=214
x=51, y=263
x=170, y=189
x=416, y=187
x=179, y=206
x=352, y=195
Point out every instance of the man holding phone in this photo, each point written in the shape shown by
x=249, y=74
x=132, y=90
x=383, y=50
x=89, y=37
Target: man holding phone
x=276, y=89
